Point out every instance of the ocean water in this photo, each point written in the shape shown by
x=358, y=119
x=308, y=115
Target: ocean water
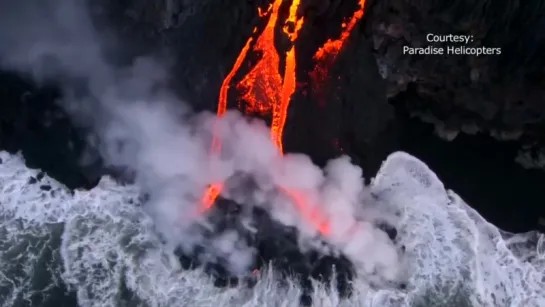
x=99, y=248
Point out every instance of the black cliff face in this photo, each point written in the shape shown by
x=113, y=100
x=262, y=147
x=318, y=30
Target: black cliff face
x=502, y=95
x=499, y=94
x=33, y=124
x=207, y=36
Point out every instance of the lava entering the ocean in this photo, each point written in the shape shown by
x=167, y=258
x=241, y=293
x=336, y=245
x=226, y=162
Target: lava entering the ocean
x=265, y=91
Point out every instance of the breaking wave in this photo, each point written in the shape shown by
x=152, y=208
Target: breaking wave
x=102, y=246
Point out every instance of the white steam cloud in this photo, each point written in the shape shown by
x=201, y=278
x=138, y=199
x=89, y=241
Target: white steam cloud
x=141, y=126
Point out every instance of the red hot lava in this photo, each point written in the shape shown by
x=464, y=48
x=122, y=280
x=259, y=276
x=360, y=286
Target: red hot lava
x=326, y=55
x=265, y=91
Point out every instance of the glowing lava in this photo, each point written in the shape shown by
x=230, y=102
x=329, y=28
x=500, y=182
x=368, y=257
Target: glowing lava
x=333, y=47
x=214, y=190
x=327, y=54
x=265, y=91
x=308, y=212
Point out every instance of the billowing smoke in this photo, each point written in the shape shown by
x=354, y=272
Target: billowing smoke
x=139, y=125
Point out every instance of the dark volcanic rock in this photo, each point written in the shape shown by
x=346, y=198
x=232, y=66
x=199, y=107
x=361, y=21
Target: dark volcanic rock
x=32, y=123
x=388, y=229
x=277, y=247
x=327, y=267
x=500, y=94
x=207, y=36
x=483, y=172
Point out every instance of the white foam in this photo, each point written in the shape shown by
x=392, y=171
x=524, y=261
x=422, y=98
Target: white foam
x=107, y=240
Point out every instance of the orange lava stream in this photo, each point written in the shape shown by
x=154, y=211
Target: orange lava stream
x=293, y=24
x=210, y=196
x=224, y=90
x=331, y=48
x=214, y=190
x=262, y=87
x=265, y=91
x=310, y=213
x=327, y=54
x=291, y=28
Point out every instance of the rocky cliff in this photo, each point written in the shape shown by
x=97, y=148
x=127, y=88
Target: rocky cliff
x=500, y=95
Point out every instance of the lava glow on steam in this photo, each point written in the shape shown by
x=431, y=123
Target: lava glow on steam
x=266, y=92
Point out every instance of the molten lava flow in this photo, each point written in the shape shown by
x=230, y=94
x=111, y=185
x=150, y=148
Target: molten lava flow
x=265, y=91
x=214, y=190
x=309, y=213
x=293, y=24
x=224, y=90
x=331, y=48
x=261, y=84
x=291, y=28
x=210, y=196
x=327, y=54
x=261, y=87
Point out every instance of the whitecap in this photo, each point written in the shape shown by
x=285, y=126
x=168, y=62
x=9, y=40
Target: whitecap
x=103, y=246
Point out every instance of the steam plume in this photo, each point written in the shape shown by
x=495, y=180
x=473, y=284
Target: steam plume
x=140, y=125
